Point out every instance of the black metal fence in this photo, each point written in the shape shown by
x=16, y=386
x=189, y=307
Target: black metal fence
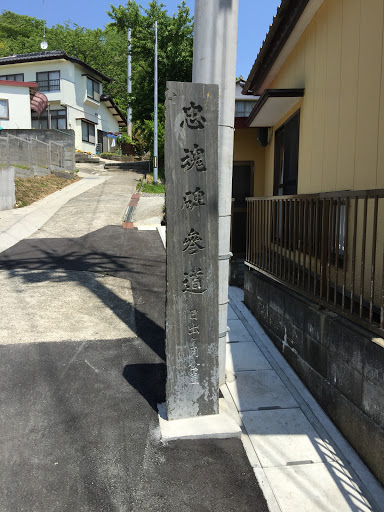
x=329, y=247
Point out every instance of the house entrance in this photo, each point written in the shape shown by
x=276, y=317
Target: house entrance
x=242, y=187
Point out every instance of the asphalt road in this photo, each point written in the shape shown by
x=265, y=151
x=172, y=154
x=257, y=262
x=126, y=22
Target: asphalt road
x=78, y=423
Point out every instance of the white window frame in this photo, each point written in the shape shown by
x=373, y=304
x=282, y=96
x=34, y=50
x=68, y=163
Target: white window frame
x=6, y=106
x=82, y=133
x=95, y=94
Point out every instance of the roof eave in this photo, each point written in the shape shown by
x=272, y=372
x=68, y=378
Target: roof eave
x=62, y=56
x=108, y=97
x=283, y=24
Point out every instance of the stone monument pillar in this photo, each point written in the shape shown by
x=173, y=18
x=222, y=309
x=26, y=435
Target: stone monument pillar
x=191, y=165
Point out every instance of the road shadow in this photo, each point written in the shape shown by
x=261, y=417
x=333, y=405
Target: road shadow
x=126, y=254
x=148, y=380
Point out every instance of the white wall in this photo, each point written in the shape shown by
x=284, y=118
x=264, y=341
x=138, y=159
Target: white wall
x=19, y=107
x=72, y=94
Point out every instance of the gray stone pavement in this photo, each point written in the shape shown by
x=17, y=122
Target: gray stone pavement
x=82, y=369
x=300, y=459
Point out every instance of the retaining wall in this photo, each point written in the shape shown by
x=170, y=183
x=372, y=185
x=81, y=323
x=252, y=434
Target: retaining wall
x=66, y=138
x=339, y=362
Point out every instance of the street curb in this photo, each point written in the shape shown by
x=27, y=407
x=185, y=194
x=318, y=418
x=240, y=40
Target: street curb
x=130, y=211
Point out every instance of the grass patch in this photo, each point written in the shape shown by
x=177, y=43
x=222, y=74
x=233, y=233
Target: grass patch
x=151, y=188
x=29, y=190
x=16, y=165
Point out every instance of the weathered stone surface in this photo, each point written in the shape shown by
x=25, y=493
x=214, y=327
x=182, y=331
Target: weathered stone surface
x=191, y=165
x=7, y=188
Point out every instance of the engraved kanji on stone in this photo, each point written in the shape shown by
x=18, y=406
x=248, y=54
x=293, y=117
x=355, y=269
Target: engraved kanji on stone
x=192, y=243
x=194, y=351
x=192, y=281
x=193, y=199
x=193, y=314
x=193, y=329
x=193, y=118
x=194, y=374
x=194, y=158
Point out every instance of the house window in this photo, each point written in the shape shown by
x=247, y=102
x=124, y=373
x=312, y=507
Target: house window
x=4, y=109
x=243, y=108
x=93, y=89
x=58, y=119
x=287, y=157
x=15, y=78
x=88, y=132
x=48, y=81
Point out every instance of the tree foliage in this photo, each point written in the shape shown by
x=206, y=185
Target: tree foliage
x=175, y=50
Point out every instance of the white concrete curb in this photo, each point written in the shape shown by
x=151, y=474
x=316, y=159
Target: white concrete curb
x=215, y=426
x=163, y=235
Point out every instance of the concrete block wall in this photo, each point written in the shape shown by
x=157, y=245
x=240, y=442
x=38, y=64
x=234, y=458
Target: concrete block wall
x=7, y=188
x=341, y=363
x=67, y=138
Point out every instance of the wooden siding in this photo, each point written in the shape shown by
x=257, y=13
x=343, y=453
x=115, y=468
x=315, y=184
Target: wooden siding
x=340, y=62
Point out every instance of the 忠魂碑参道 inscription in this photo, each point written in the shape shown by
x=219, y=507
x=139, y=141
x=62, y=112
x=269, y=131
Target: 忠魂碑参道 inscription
x=191, y=171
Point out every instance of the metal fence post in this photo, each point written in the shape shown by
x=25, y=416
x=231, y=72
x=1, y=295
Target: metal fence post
x=30, y=156
x=50, y=156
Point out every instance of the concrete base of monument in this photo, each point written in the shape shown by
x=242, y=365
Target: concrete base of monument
x=219, y=426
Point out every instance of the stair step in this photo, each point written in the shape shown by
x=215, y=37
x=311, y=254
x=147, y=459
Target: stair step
x=136, y=166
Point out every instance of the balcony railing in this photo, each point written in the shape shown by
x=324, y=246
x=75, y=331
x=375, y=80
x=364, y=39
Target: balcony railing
x=329, y=247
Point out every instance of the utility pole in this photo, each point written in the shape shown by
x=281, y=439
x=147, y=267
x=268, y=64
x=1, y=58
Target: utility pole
x=155, y=148
x=214, y=62
x=129, y=85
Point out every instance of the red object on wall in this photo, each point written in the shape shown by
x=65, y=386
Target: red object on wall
x=39, y=102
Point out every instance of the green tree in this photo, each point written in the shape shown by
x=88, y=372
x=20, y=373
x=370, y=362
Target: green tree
x=175, y=50
x=175, y=55
x=19, y=34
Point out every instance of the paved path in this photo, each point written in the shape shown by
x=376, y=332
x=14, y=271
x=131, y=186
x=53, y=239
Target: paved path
x=301, y=460
x=82, y=369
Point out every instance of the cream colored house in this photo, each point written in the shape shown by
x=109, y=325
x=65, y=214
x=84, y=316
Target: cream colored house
x=74, y=91
x=314, y=239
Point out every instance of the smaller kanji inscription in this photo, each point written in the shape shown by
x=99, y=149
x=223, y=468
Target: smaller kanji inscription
x=193, y=314
x=193, y=329
x=193, y=118
x=193, y=351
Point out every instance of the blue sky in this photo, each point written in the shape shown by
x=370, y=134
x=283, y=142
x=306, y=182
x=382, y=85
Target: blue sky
x=255, y=16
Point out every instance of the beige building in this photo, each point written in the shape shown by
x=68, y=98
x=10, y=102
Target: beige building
x=314, y=224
